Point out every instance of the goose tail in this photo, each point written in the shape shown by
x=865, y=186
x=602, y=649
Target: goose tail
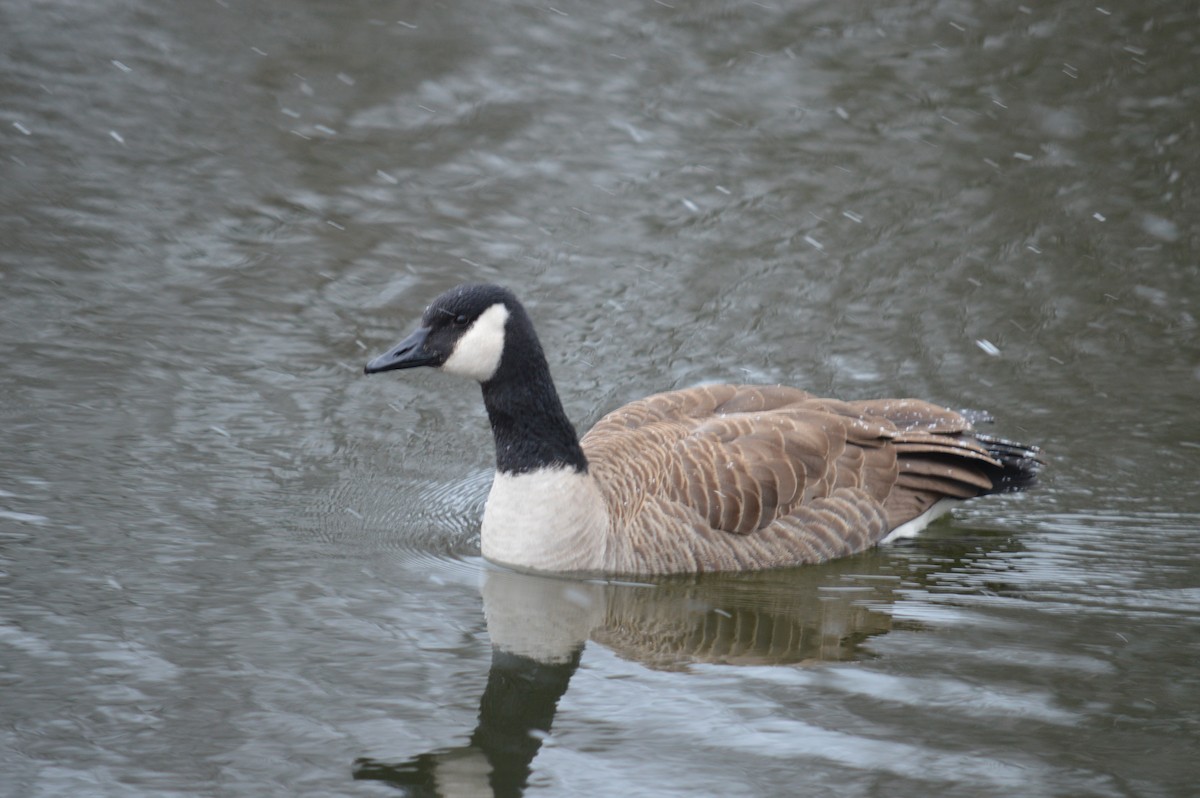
x=1020, y=464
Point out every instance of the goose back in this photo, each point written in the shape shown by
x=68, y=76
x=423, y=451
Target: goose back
x=739, y=477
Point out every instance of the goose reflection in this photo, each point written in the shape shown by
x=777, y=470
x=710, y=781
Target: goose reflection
x=539, y=625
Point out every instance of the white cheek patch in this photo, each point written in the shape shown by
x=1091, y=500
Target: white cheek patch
x=477, y=353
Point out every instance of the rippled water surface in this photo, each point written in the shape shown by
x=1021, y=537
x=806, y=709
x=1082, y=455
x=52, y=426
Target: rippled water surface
x=231, y=565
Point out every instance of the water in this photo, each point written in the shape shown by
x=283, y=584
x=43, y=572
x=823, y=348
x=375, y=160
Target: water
x=231, y=565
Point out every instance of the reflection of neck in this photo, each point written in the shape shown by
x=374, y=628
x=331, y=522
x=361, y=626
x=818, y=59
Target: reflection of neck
x=515, y=713
x=519, y=701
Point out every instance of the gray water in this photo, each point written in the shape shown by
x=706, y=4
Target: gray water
x=232, y=565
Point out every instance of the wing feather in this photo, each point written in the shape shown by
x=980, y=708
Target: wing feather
x=753, y=476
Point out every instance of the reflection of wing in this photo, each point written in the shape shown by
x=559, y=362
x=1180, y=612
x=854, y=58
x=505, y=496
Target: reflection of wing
x=794, y=616
x=741, y=635
x=727, y=477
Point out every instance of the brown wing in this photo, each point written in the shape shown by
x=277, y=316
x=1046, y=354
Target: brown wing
x=732, y=456
x=786, y=473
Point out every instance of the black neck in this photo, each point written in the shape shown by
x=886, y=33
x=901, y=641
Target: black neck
x=528, y=422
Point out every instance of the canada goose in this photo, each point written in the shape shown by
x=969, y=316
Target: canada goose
x=713, y=478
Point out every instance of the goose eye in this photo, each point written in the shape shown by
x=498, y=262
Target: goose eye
x=460, y=320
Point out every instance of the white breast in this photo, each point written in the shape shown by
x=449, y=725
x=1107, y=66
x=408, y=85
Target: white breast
x=552, y=519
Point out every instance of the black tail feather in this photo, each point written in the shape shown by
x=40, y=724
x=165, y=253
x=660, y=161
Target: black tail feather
x=1020, y=464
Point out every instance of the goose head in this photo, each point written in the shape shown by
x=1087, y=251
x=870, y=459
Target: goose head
x=462, y=332
x=482, y=332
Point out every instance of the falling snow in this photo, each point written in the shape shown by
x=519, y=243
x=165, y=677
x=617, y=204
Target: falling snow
x=988, y=347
